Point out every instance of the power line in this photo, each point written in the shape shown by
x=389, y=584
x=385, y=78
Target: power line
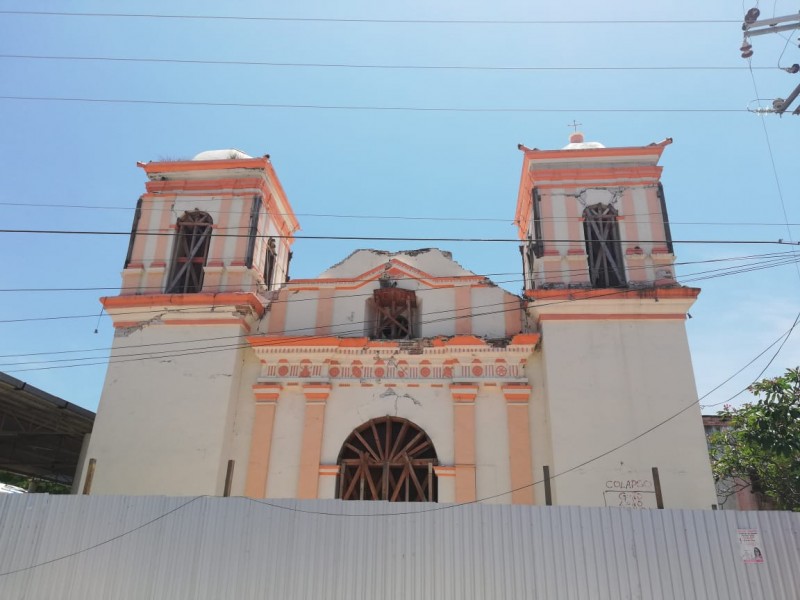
x=358, y=331
x=697, y=276
x=371, y=238
x=435, y=509
x=209, y=349
x=771, y=260
x=404, y=217
x=767, y=259
x=783, y=338
x=206, y=349
x=371, y=515
x=316, y=65
x=234, y=212
x=379, y=21
x=774, y=167
x=434, y=109
x=103, y=543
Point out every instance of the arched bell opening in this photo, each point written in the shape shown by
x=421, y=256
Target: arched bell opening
x=387, y=459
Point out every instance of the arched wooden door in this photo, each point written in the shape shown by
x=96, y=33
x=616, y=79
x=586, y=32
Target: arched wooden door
x=387, y=459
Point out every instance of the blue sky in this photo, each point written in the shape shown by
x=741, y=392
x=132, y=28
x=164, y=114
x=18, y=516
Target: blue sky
x=440, y=163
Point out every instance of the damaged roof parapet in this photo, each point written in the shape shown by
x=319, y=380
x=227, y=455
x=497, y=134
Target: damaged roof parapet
x=430, y=260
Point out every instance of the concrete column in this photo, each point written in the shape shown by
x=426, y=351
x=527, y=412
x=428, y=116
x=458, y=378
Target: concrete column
x=316, y=397
x=266, y=397
x=519, y=443
x=464, y=395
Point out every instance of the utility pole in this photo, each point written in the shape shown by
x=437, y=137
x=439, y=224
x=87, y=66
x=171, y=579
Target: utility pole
x=752, y=26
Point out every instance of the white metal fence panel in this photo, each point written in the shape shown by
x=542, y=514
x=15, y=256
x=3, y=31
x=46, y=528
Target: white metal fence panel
x=101, y=547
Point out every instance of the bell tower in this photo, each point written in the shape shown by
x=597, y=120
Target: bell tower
x=219, y=223
x=211, y=239
x=614, y=361
x=594, y=217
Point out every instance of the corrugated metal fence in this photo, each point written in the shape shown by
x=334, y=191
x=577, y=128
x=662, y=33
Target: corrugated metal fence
x=101, y=547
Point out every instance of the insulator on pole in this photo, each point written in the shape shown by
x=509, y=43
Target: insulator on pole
x=752, y=16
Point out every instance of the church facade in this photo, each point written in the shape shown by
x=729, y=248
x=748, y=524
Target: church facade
x=404, y=376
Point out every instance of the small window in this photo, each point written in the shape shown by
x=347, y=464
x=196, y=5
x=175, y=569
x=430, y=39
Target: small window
x=395, y=310
x=270, y=260
x=603, y=248
x=189, y=256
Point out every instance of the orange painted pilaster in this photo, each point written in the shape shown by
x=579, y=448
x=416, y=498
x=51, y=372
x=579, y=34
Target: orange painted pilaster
x=244, y=225
x=216, y=252
x=316, y=398
x=574, y=225
x=266, y=395
x=277, y=313
x=139, y=243
x=325, y=311
x=464, y=395
x=519, y=443
x=512, y=311
x=165, y=226
x=463, y=316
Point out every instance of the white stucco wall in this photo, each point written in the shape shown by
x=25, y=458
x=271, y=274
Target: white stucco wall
x=539, y=416
x=162, y=425
x=607, y=382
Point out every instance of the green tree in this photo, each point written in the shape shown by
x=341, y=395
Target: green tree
x=760, y=445
x=41, y=486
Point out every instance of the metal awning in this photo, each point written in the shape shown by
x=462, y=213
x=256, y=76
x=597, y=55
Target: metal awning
x=40, y=434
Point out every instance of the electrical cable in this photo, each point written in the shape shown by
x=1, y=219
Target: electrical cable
x=785, y=337
x=192, y=311
x=208, y=349
x=435, y=109
x=378, y=21
x=393, y=514
x=103, y=543
x=422, y=511
x=774, y=167
x=359, y=331
x=409, y=218
x=204, y=350
x=254, y=63
x=765, y=258
x=373, y=238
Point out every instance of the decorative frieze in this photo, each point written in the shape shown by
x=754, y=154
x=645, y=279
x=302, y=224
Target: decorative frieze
x=359, y=359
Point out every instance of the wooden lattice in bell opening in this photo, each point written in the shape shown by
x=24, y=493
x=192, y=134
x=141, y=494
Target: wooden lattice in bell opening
x=190, y=254
x=395, y=309
x=388, y=459
x=603, y=247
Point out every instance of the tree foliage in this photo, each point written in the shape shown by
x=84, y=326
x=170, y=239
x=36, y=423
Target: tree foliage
x=41, y=486
x=760, y=444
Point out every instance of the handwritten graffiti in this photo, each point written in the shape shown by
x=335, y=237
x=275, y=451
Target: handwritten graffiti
x=630, y=484
x=630, y=493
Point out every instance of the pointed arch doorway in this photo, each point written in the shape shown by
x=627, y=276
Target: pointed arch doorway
x=388, y=458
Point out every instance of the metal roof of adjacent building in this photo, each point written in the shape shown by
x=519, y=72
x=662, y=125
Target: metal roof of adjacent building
x=93, y=547
x=41, y=435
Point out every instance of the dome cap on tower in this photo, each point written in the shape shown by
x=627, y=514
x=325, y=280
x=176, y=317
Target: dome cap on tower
x=576, y=142
x=226, y=154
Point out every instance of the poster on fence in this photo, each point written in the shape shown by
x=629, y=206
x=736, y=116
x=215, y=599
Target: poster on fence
x=750, y=548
